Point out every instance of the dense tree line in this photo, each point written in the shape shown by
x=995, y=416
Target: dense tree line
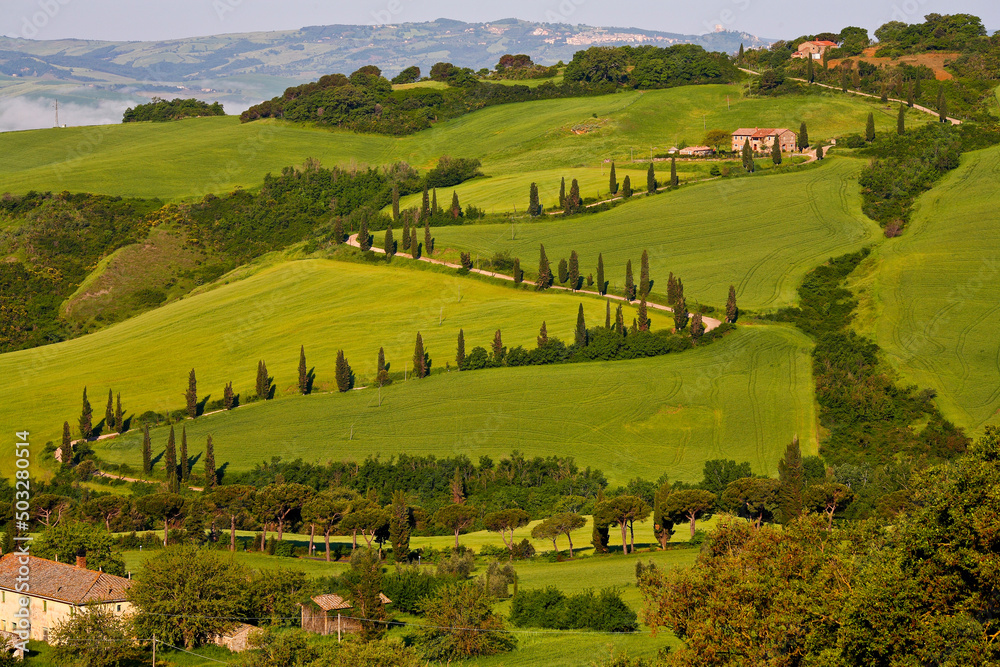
x=160, y=110
x=366, y=102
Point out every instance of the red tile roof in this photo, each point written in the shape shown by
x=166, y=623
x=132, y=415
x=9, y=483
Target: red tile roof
x=62, y=582
x=759, y=132
x=332, y=601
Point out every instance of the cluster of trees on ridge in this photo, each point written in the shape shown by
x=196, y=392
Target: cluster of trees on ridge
x=847, y=66
x=366, y=102
x=161, y=111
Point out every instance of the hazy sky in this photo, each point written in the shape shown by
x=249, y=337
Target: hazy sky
x=168, y=19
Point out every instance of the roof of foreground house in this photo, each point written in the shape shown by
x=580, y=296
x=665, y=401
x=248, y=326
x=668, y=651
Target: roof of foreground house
x=62, y=582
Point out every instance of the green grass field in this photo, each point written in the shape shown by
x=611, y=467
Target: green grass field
x=742, y=398
x=192, y=157
x=932, y=294
x=761, y=234
x=322, y=304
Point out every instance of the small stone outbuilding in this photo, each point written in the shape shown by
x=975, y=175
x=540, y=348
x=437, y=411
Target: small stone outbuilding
x=330, y=614
x=236, y=639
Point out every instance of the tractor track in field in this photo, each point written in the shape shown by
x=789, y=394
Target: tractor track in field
x=709, y=322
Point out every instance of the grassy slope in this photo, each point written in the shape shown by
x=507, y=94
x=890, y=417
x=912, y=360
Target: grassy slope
x=192, y=157
x=761, y=234
x=742, y=398
x=324, y=305
x=933, y=296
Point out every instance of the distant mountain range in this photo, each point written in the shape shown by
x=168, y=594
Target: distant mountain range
x=242, y=69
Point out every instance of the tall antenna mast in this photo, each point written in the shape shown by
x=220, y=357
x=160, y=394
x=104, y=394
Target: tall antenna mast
x=57, y=113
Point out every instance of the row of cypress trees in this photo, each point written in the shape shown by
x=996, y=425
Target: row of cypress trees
x=573, y=203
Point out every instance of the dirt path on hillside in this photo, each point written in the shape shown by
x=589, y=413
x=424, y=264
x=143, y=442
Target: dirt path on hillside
x=953, y=121
x=710, y=322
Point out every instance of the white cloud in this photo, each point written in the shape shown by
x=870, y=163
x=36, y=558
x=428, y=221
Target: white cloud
x=19, y=113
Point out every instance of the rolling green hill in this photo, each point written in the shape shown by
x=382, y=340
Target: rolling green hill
x=742, y=398
x=761, y=234
x=324, y=305
x=932, y=295
x=193, y=157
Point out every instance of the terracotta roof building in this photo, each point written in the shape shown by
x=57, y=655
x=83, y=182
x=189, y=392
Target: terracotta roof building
x=761, y=139
x=814, y=49
x=323, y=615
x=54, y=591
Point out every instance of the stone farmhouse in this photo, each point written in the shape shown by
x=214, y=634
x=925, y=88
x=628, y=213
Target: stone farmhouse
x=56, y=590
x=814, y=50
x=762, y=139
x=328, y=614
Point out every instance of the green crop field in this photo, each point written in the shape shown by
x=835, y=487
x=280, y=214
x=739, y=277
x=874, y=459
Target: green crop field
x=933, y=295
x=193, y=157
x=324, y=305
x=761, y=234
x=741, y=398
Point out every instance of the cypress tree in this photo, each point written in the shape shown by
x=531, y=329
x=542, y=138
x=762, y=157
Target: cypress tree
x=776, y=151
x=884, y=97
x=170, y=462
x=543, y=336
x=607, y=315
x=619, y=320
x=395, y=202
x=364, y=238
x=518, y=274
x=119, y=415
x=680, y=313
x=66, y=449
x=747, y=155
x=942, y=106
x=460, y=354
x=909, y=95
x=580, y=337
x=819, y=153
x=870, y=128
x=803, y=136
x=303, y=372
x=191, y=395
x=644, y=275
x=650, y=180
x=87, y=417
x=184, y=463
x=856, y=79
x=613, y=181
x=602, y=287
x=573, y=201
x=425, y=204
x=626, y=187
x=574, y=271
x=498, y=349
x=109, y=413
x=210, y=477
x=739, y=57
x=262, y=389
x=338, y=230
x=534, y=207
x=810, y=70
x=901, y=120
x=732, y=312
x=342, y=372
x=629, y=281
x=791, y=478
x=419, y=358
x=228, y=397
x=544, y=279
x=428, y=241
x=643, y=319
x=674, y=182
x=406, y=233
x=697, y=326
x=434, y=204
x=918, y=90
x=147, y=451
x=389, y=243
x=562, y=194
x=414, y=245
x=563, y=271
x=456, y=210
x=671, y=289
